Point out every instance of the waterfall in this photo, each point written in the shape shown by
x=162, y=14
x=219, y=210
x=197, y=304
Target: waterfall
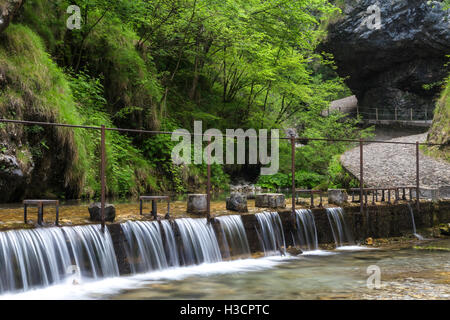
x=234, y=236
x=339, y=228
x=145, y=246
x=42, y=257
x=271, y=232
x=418, y=236
x=306, y=229
x=198, y=240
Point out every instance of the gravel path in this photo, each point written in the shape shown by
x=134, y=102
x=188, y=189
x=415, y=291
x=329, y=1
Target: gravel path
x=395, y=165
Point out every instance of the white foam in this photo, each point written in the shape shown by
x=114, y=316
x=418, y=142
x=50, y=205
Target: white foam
x=354, y=248
x=101, y=289
x=318, y=253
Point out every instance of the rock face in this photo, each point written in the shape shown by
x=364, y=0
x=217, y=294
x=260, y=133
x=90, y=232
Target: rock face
x=95, y=212
x=337, y=196
x=8, y=8
x=390, y=50
x=270, y=200
x=196, y=203
x=12, y=178
x=237, y=202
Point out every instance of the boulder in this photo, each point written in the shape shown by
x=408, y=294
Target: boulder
x=237, y=202
x=196, y=203
x=445, y=229
x=294, y=251
x=95, y=212
x=270, y=200
x=390, y=53
x=337, y=196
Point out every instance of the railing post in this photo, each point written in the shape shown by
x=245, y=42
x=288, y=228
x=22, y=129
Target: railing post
x=357, y=111
x=426, y=114
x=208, y=186
x=395, y=113
x=411, y=114
x=417, y=177
x=376, y=113
x=102, y=176
x=293, y=172
x=361, y=176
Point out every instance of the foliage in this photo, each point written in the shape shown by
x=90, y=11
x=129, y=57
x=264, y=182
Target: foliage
x=161, y=64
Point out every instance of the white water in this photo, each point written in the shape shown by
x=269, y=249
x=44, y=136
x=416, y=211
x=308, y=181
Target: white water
x=198, y=241
x=418, y=236
x=306, y=230
x=234, y=236
x=341, y=233
x=42, y=257
x=144, y=246
x=271, y=233
x=101, y=289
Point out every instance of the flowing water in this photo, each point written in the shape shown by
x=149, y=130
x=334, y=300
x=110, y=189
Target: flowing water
x=406, y=273
x=199, y=241
x=42, y=257
x=306, y=230
x=418, y=236
x=182, y=260
x=271, y=233
x=341, y=232
x=234, y=236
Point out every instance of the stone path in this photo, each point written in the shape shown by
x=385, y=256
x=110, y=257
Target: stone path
x=395, y=165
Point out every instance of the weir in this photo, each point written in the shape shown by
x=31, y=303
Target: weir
x=42, y=257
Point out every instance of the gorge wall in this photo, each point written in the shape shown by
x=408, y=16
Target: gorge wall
x=393, y=53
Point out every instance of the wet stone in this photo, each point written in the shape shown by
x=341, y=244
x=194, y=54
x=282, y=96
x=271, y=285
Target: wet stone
x=95, y=212
x=196, y=203
x=237, y=202
x=270, y=200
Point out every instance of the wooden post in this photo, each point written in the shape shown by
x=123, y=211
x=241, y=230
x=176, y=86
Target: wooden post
x=411, y=114
x=395, y=113
x=376, y=113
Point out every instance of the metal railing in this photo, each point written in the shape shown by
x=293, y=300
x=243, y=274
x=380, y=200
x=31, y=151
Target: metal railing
x=102, y=129
x=384, y=114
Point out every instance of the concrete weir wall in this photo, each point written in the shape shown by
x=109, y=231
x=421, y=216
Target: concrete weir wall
x=377, y=221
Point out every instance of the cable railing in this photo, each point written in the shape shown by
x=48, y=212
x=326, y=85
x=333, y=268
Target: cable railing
x=292, y=140
x=385, y=114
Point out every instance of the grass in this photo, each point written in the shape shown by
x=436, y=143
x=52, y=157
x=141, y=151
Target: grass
x=440, y=129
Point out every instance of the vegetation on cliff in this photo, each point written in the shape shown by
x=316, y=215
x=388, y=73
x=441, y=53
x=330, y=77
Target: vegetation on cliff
x=440, y=129
x=161, y=65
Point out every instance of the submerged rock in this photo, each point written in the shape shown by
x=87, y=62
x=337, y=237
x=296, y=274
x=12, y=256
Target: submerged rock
x=294, y=251
x=95, y=212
